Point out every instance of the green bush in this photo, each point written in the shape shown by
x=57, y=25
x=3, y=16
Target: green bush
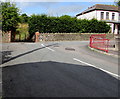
x=22, y=31
x=65, y=24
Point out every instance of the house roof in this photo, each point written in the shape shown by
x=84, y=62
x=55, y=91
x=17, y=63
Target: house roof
x=101, y=7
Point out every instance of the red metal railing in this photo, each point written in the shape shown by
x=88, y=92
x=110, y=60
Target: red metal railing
x=99, y=41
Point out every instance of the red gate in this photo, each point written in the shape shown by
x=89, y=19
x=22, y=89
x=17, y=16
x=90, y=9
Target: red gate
x=99, y=41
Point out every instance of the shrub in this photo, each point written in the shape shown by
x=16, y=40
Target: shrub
x=65, y=24
x=22, y=31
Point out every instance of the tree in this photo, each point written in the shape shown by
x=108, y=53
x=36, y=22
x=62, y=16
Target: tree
x=10, y=16
x=117, y=2
x=0, y=22
x=0, y=18
x=24, y=18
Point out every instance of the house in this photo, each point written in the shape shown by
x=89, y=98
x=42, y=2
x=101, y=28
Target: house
x=108, y=13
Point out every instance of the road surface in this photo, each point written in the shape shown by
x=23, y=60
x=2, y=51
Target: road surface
x=58, y=69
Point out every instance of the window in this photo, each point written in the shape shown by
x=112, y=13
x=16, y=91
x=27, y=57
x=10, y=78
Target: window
x=102, y=15
x=113, y=16
x=107, y=15
x=119, y=16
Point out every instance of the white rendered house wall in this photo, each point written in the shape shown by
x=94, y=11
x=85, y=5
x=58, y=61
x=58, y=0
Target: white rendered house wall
x=89, y=15
x=97, y=15
x=116, y=15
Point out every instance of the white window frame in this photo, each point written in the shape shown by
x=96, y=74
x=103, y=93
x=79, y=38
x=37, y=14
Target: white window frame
x=107, y=15
x=113, y=16
x=119, y=16
x=102, y=15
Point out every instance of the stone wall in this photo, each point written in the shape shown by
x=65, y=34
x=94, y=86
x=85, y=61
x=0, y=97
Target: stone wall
x=5, y=37
x=0, y=36
x=67, y=36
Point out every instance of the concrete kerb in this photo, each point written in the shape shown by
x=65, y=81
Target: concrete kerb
x=93, y=49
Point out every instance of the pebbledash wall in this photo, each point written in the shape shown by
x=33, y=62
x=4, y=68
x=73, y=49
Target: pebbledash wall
x=66, y=36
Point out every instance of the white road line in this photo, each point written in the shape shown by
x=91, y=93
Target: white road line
x=96, y=67
x=47, y=47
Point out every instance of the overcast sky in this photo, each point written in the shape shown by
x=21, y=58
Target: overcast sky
x=57, y=7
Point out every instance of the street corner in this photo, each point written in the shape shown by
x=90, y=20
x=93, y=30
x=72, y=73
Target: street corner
x=112, y=53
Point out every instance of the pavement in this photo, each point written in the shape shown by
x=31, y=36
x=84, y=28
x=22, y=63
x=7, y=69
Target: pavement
x=57, y=69
x=111, y=50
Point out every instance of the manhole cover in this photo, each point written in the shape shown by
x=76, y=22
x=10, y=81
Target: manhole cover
x=71, y=49
x=56, y=45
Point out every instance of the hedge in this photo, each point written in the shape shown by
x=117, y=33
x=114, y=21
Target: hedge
x=65, y=24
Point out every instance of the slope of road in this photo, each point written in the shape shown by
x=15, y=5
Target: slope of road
x=48, y=69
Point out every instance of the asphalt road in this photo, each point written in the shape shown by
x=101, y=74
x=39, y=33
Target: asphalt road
x=57, y=69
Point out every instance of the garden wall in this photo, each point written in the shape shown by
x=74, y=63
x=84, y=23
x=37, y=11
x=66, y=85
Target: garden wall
x=5, y=37
x=68, y=36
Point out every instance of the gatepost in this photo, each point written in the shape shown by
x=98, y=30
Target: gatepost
x=37, y=36
x=117, y=42
x=9, y=36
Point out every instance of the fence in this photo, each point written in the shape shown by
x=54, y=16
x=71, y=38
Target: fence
x=99, y=41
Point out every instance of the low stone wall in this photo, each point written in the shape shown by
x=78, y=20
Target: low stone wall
x=67, y=36
x=0, y=36
x=5, y=37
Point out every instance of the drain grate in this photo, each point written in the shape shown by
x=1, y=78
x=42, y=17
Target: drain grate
x=71, y=49
x=56, y=45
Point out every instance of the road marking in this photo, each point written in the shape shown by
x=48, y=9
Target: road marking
x=96, y=67
x=47, y=47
